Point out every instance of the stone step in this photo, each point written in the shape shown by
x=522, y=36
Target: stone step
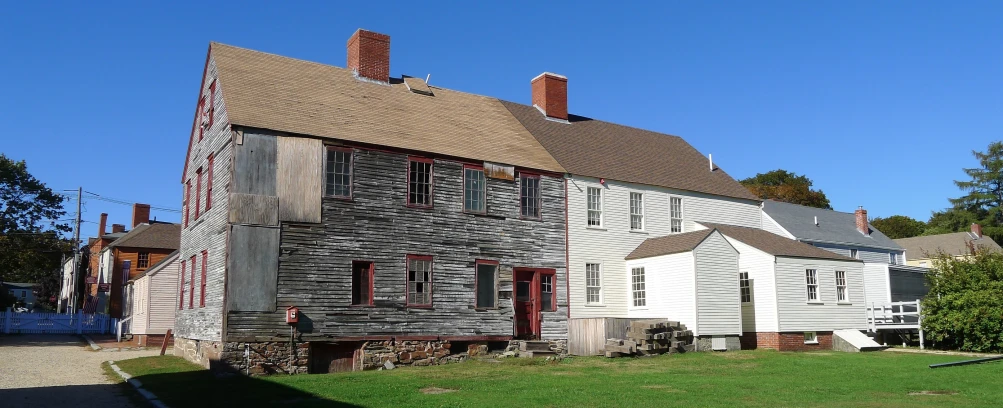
x=534, y=346
x=536, y=354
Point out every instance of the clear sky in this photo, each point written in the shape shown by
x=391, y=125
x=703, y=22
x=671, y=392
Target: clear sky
x=880, y=103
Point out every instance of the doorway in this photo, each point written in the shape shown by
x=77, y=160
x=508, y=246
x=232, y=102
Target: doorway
x=333, y=357
x=534, y=294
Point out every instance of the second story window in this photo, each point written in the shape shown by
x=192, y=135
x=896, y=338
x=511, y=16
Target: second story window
x=841, y=295
x=474, y=190
x=530, y=199
x=338, y=177
x=419, y=182
x=143, y=260
x=853, y=254
x=636, y=212
x=811, y=281
x=208, y=183
x=676, y=213
x=892, y=259
x=198, y=191
x=595, y=207
x=188, y=199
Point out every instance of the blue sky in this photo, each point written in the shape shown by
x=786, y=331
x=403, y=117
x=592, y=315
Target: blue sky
x=880, y=103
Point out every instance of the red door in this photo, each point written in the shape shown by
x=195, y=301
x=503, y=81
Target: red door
x=527, y=304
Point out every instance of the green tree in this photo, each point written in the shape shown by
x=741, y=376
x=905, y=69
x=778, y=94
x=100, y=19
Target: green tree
x=964, y=309
x=30, y=242
x=984, y=196
x=899, y=226
x=789, y=187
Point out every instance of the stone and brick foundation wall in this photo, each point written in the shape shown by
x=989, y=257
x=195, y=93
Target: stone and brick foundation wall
x=202, y=352
x=706, y=343
x=785, y=341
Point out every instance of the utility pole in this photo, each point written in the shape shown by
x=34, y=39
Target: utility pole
x=76, y=254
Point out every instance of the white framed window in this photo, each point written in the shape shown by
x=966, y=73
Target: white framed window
x=892, y=259
x=676, y=214
x=853, y=254
x=530, y=198
x=810, y=338
x=744, y=288
x=595, y=207
x=811, y=281
x=593, y=284
x=637, y=287
x=474, y=190
x=636, y=212
x=841, y=294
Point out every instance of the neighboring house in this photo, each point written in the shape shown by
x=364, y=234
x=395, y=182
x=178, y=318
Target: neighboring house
x=145, y=245
x=403, y=221
x=153, y=296
x=22, y=292
x=94, y=247
x=921, y=251
x=886, y=276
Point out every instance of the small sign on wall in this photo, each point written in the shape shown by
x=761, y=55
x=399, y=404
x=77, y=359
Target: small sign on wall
x=499, y=171
x=104, y=287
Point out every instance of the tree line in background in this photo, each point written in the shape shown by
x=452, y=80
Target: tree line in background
x=982, y=202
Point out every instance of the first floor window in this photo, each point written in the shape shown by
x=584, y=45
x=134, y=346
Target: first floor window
x=811, y=280
x=595, y=207
x=338, y=177
x=205, y=263
x=144, y=260
x=676, y=214
x=419, y=184
x=547, y=293
x=487, y=285
x=593, y=284
x=362, y=283
x=637, y=286
x=419, y=280
x=841, y=295
x=810, y=338
x=636, y=211
x=474, y=189
x=181, y=288
x=191, y=285
x=530, y=199
x=744, y=288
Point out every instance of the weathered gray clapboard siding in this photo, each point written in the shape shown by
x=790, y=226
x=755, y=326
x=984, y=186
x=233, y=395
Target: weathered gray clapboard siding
x=254, y=263
x=255, y=164
x=719, y=306
x=209, y=231
x=298, y=177
x=252, y=209
x=316, y=259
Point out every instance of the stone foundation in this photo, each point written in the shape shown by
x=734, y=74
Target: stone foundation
x=269, y=357
x=705, y=343
x=205, y=353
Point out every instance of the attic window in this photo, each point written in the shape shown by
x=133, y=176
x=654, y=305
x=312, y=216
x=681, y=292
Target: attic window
x=417, y=85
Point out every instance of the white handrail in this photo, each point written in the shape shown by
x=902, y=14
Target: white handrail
x=118, y=332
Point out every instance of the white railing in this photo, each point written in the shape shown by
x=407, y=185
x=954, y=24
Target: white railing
x=896, y=316
x=54, y=323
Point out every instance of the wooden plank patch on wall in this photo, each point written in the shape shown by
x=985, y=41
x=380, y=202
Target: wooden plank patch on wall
x=254, y=209
x=254, y=268
x=299, y=178
x=254, y=169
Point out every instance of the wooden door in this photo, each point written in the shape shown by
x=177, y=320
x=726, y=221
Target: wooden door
x=332, y=357
x=527, y=304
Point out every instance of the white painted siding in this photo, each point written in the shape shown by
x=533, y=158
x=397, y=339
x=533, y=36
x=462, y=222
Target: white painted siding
x=614, y=241
x=876, y=283
x=795, y=313
x=761, y=314
x=139, y=296
x=769, y=224
x=719, y=306
x=162, y=292
x=670, y=285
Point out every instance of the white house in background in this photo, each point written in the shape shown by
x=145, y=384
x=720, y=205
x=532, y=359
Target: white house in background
x=153, y=300
x=66, y=287
x=886, y=276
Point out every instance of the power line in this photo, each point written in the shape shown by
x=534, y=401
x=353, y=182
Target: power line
x=125, y=202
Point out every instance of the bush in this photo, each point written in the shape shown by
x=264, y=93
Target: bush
x=964, y=309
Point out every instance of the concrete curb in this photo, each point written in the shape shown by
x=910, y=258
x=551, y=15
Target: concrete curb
x=90, y=341
x=137, y=385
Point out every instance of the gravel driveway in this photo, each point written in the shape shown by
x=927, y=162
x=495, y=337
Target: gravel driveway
x=58, y=371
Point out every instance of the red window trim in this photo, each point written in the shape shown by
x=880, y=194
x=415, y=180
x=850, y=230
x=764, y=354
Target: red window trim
x=478, y=263
x=205, y=260
x=188, y=199
x=372, y=276
x=208, y=187
x=198, y=192
x=201, y=112
x=191, y=285
x=431, y=279
x=528, y=174
x=351, y=173
x=463, y=205
x=431, y=180
x=212, y=102
x=181, y=288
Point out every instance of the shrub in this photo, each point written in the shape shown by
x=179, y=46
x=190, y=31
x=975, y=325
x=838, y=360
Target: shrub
x=964, y=309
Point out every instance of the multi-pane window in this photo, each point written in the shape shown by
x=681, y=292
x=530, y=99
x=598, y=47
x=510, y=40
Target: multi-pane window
x=188, y=199
x=419, y=280
x=208, y=183
x=338, y=177
x=181, y=287
x=474, y=190
x=637, y=286
x=744, y=288
x=547, y=293
x=595, y=207
x=636, y=211
x=853, y=254
x=198, y=192
x=530, y=199
x=205, y=263
x=810, y=338
x=841, y=295
x=191, y=284
x=811, y=281
x=487, y=285
x=676, y=214
x=593, y=283
x=143, y=260
x=362, y=283
x=419, y=183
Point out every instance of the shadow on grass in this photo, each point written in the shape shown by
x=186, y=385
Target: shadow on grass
x=206, y=389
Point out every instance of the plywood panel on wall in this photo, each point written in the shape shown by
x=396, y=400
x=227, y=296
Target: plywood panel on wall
x=254, y=266
x=254, y=209
x=300, y=173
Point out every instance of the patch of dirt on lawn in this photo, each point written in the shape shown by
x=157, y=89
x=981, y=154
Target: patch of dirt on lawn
x=934, y=392
x=436, y=390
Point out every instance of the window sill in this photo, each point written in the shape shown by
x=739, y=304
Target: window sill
x=525, y=218
x=485, y=309
x=637, y=309
x=815, y=302
x=475, y=212
x=811, y=342
x=596, y=228
x=362, y=306
x=339, y=198
x=748, y=304
x=419, y=306
x=844, y=303
x=420, y=207
x=639, y=232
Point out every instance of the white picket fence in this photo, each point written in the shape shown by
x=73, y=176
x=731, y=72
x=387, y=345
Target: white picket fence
x=55, y=323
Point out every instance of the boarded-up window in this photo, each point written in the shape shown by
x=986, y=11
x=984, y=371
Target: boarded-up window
x=593, y=283
x=362, y=283
x=486, y=284
x=338, y=178
x=530, y=199
x=636, y=211
x=252, y=275
x=811, y=281
x=595, y=207
x=637, y=289
x=474, y=189
x=419, y=186
x=743, y=287
x=143, y=260
x=547, y=303
x=419, y=280
x=205, y=262
x=676, y=213
x=841, y=295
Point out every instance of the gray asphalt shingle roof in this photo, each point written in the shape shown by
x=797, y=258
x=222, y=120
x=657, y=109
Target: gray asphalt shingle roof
x=833, y=226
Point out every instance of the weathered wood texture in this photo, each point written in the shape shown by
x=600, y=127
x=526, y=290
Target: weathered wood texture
x=254, y=264
x=587, y=337
x=298, y=176
x=376, y=225
x=251, y=209
x=255, y=164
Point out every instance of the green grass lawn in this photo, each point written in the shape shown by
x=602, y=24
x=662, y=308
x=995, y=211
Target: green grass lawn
x=746, y=378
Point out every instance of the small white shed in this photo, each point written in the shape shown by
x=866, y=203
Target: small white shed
x=154, y=297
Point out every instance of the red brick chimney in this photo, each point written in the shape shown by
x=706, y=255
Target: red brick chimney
x=369, y=55
x=101, y=225
x=140, y=214
x=977, y=230
x=550, y=94
x=116, y=228
x=861, y=214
